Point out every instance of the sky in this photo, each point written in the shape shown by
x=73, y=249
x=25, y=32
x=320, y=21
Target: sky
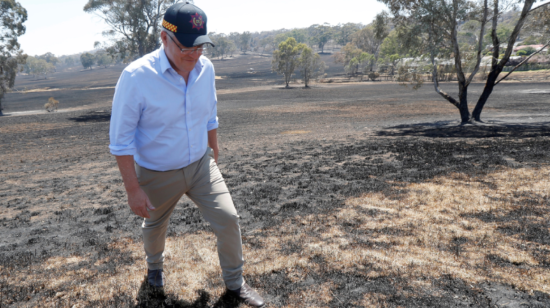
x=62, y=28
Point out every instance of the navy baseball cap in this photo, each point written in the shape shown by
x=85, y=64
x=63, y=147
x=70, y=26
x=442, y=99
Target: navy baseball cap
x=188, y=23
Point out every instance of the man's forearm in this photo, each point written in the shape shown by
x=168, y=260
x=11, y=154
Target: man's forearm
x=128, y=172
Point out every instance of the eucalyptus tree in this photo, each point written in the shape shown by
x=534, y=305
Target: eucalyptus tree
x=244, y=39
x=224, y=46
x=87, y=60
x=136, y=22
x=310, y=65
x=344, y=33
x=12, y=59
x=320, y=35
x=370, y=38
x=286, y=58
x=430, y=28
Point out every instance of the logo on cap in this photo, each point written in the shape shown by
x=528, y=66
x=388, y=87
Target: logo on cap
x=197, y=21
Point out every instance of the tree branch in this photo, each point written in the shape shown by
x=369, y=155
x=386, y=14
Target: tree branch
x=538, y=7
x=480, y=42
x=523, y=62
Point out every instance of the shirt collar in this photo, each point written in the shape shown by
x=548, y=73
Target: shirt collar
x=164, y=63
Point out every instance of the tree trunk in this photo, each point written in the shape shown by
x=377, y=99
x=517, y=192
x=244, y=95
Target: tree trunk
x=463, y=104
x=489, y=85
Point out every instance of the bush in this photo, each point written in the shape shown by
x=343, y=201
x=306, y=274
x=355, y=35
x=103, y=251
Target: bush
x=373, y=76
x=526, y=51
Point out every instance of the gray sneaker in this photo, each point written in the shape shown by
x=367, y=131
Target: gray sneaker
x=248, y=295
x=156, y=278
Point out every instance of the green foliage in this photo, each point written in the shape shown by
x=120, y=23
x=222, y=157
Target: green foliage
x=38, y=67
x=310, y=65
x=320, y=35
x=69, y=61
x=134, y=23
x=344, y=33
x=267, y=41
x=50, y=58
x=300, y=35
x=530, y=40
x=103, y=59
x=406, y=75
x=245, y=41
x=428, y=29
x=391, y=51
x=87, y=60
x=527, y=51
x=224, y=46
x=12, y=17
x=538, y=24
x=359, y=63
x=285, y=59
x=503, y=34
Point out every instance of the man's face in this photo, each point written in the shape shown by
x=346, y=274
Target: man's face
x=181, y=62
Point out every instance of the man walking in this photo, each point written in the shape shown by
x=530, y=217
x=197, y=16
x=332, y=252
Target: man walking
x=163, y=134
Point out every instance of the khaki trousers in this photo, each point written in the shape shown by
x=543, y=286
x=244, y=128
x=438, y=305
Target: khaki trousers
x=203, y=183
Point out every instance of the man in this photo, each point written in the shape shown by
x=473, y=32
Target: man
x=163, y=134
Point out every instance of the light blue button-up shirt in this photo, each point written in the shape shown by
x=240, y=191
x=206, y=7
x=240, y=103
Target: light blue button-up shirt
x=160, y=119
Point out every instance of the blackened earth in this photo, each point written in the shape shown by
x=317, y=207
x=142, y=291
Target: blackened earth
x=285, y=153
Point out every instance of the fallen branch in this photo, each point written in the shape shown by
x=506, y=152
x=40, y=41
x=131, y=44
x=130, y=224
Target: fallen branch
x=522, y=62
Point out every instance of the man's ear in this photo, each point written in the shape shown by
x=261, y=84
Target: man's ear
x=163, y=37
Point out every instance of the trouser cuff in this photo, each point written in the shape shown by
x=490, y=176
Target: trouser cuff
x=155, y=266
x=236, y=284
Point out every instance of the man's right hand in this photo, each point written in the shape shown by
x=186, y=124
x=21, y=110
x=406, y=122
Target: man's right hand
x=139, y=203
x=137, y=199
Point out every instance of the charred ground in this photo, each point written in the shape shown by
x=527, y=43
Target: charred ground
x=296, y=162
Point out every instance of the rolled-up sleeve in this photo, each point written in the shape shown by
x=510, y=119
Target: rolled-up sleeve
x=213, y=121
x=125, y=116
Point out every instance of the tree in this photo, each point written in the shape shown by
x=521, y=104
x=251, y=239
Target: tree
x=370, y=38
x=12, y=17
x=245, y=41
x=320, y=35
x=431, y=28
x=50, y=58
x=310, y=65
x=347, y=53
x=267, y=41
x=103, y=59
x=223, y=45
x=300, y=35
x=37, y=67
x=391, y=51
x=344, y=33
x=137, y=22
x=359, y=63
x=87, y=60
x=69, y=61
x=539, y=22
x=285, y=59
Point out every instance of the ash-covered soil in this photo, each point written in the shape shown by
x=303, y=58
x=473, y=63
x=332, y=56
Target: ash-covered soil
x=285, y=154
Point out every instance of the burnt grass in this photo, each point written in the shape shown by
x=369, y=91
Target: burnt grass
x=61, y=194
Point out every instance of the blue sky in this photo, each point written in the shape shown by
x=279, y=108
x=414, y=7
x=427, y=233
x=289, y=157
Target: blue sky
x=62, y=27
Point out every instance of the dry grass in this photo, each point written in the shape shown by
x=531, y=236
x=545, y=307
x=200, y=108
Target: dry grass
x=452, y=226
